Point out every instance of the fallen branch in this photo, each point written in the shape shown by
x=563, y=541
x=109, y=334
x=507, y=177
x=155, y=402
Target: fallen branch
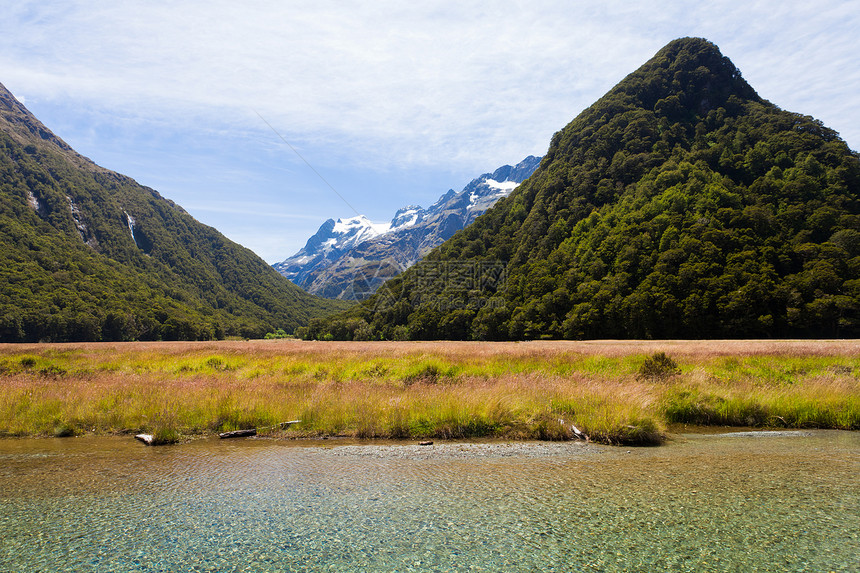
x=238, y=433
x=577, y=433
x=253, y=431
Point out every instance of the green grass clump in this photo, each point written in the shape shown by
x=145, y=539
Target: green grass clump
x=165, y=436
x=64, y=430
x=641, y=432
x=164, y=429
x=428, y=371
x=822, y=406
x=708, y=409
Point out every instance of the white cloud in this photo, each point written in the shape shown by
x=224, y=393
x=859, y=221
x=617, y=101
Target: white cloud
x=456, y=86
x=407, y=83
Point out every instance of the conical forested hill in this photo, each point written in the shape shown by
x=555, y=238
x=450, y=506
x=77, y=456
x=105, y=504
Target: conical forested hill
x=680, y=204
x=88, y=254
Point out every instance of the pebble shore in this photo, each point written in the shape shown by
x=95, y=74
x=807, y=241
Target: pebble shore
x=453, y=450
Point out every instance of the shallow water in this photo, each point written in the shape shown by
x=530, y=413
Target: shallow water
x=786, y=502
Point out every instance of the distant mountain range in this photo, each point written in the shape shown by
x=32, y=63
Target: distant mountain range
x=679, y=205
x=350, y=258
x=88, y=254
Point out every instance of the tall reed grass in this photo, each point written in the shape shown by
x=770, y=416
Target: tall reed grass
x=427, y=390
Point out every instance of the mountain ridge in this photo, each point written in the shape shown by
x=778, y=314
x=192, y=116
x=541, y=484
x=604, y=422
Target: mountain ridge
x=678, y=205
x=90, y=254
x=27, y=129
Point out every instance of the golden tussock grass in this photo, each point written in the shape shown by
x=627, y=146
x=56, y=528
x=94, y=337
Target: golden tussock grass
x=427, y=389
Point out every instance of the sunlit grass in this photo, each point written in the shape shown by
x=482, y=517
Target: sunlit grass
x=426, y=390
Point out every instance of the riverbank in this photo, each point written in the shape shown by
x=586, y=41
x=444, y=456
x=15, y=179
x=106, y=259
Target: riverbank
x=615, y=392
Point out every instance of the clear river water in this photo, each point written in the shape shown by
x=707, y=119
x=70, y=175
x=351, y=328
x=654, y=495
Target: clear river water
x=704, y=502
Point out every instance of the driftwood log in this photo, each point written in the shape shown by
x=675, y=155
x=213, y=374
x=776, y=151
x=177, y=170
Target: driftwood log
x=149, y=439
x=579, y=433
x=238, y=433
x=253, y=431
x=145, y=438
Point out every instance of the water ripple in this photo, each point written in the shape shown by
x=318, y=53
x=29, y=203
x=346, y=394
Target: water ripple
x=698, y=504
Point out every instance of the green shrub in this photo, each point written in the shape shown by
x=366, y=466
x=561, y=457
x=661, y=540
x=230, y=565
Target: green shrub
x=658, y=367
x=280, y=333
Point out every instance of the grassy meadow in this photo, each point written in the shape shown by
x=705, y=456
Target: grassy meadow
x=624, y=392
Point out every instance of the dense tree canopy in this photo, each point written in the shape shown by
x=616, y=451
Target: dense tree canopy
x=87, y=254
x=678, y=205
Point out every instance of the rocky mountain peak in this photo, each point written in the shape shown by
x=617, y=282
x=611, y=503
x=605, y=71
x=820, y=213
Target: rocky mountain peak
x=407, y=216
x=356, y=250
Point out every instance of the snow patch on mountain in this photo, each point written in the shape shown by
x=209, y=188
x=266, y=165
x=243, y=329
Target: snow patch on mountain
x=406, y=217
x=411, y=233
x=505, y=186
x=359, y=227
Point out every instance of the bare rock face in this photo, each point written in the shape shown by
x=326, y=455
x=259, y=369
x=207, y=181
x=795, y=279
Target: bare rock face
x=350, y=258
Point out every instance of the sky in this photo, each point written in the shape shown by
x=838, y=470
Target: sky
x=265, y=118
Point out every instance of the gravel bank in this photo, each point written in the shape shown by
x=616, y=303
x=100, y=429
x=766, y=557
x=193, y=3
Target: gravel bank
x=453, y=450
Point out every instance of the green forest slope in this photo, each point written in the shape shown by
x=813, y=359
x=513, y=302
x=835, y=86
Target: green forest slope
x=88, y=254
x=680, y=204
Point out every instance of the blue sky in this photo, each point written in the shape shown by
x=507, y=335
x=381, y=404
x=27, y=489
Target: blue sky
x=391, y=102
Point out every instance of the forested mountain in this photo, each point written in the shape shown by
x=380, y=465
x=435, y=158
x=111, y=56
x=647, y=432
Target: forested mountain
x=89, y=254
x=349, y=259
x=680, y=204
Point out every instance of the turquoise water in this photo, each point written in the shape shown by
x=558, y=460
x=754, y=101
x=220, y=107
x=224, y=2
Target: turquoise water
x=701, y=503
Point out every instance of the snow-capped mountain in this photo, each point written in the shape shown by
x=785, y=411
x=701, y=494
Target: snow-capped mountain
x=337, y=237
x=331, y=240
x=406, y=217
x=351, y=258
